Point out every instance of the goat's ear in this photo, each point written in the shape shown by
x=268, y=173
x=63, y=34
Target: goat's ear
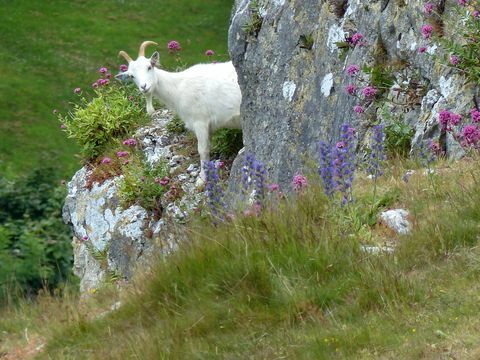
x=155, y=59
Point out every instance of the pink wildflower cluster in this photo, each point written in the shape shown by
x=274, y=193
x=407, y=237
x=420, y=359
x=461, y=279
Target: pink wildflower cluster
x=428, y=8
x=173, y=46
x=163, y=181
x=123, y=68
x=130, y=142
x=122, y=154
x=427, y=31
x=454, y=60
x=356, y=39
x=462, y=2
x=353, y=69
x=475, y=115
x=369, y=92
x=105, y=80
x=299, y=182
x=448, y=120
x=106, y=160
x=209, y=53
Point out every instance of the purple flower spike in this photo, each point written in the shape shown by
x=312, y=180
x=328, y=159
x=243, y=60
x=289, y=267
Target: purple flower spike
x=327, y=168
x=215, y=196
x=377, y=154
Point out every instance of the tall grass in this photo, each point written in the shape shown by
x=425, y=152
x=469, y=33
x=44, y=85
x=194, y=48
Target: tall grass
x=294, y=282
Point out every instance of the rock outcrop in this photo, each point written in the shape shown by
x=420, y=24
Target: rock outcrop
x=291, y=67
x=109, y=241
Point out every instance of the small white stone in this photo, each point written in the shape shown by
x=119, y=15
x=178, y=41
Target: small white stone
x=327, y=84
x=397, y=220
x=288, y=90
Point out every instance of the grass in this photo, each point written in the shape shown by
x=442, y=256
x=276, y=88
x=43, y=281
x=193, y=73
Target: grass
x=294, y=283
x=48, y=49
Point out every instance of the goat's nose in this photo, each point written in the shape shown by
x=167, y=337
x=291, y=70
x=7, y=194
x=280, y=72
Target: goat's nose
x=144, y=86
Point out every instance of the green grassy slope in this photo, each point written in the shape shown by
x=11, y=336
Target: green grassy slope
x=48, y=48
x=294, y=283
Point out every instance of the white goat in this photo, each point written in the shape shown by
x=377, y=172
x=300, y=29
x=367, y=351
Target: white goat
x=206, y=97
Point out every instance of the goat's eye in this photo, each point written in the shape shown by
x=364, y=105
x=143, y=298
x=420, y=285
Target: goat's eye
x=132, y=77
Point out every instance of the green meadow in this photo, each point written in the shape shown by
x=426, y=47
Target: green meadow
x=48, y=48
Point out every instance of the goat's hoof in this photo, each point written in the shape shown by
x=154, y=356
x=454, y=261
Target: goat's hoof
x=200, y=183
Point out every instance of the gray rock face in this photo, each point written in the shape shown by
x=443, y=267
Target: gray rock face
x=294, y=96
x=110, y=241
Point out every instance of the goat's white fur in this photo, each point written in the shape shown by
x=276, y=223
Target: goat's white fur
x=206, y=97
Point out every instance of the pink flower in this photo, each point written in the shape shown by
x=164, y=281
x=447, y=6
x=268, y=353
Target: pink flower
x=219, y=164
x=274, y=187
x=77, y=90
x=475, y=115
x=173, y=46
x=444, y=119
x=108, y=75
x=299, y=182
x=435, y=148
x=471, y=134
x=358, y=109
x=209, y=53
x=356, y=38
x=454, y=60
x=476, y=13
x=353, y=69
x=455, y=119
x=164, y=181
x=422, y=49
x=94, y=85
x=123, y=68
x=106, y=160
x=462, y=2
x=428, y=7
x=121, y=154
x=103, y=70
x=84, y=238
x=350, y=89
x=63, y=126
x=130, y=142
x=427, y=31
x=369, y=91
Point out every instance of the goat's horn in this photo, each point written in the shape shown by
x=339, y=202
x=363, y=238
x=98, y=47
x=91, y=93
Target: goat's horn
x=141, y=51
x=125, y=56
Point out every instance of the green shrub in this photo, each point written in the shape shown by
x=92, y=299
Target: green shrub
x=398, y=137
x=35, y=249
x=112, y=113
x=141, y=184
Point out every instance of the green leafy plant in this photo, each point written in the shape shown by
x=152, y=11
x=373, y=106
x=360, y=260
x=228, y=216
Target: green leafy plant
x=112, y=113
x=227, y=142
x=144, y=185
x=398, y=137
x=306, y=41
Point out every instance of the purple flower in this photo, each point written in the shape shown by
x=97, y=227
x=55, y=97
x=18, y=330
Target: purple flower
x=476, y=13
x=164, y=181
x=475, y=115
x=454, y=60
x=77, y=90
x=448, y=120
x=358, y=109
x=209, y=53
x=428, y=7
x=219, y=164
x=106, y=160
x=94, y=85
x=108, y=76
x=173, y=46
x=299, y=182
x=377, y=153
x=462, y=2
x=247, y=174
x=130, y=142
x=350, y=89
x=369, y=91
x=427, y=31
x=84, y=238
x=356, y=38
x=103, y=70
x=260, y=179
x=352, y=69
x=123, y=68
x=215, y=196
x=422, y=49
x=121, y=154
x=344, y=162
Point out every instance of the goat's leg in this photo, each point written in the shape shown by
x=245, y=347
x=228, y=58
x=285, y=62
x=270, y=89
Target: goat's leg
x=203, y=137
x=150, y=109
